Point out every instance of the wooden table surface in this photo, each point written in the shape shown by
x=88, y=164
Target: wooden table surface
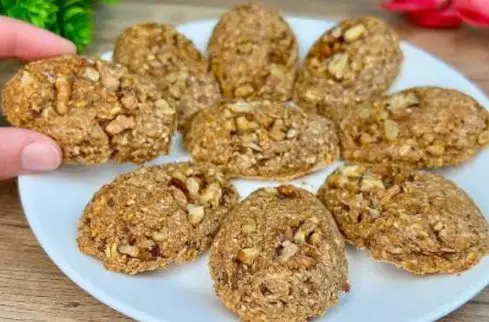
x=32, y=288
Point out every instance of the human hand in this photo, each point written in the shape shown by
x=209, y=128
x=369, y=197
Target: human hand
x=25, y=151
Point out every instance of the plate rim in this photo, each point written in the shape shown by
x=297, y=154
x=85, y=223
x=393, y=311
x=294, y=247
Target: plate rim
x=114, y=303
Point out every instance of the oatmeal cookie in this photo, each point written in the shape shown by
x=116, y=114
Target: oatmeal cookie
x=279, y=257
x=254, y=54
x=172, y=61
x=95, y=110
x=153, y=217
x=414, y=219
x=262, y=139
x=422, y=127
x=351, y=63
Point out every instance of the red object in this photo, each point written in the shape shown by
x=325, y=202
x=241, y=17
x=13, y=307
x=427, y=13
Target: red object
x=473, y=12
x=442, y=13
x=410, y=5
x=442, y=17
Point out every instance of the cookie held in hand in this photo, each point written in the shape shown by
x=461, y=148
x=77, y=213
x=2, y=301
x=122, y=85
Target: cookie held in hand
x=96, y=111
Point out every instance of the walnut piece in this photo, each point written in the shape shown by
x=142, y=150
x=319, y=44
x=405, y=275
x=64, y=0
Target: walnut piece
x=291, y=133
x=132, y=251
x=240, y=107
x=277, y=132
x=370, y=182
x=159, y=236
x=248, y=255
x=110, y=250
x=180, y=197
x=305, y=230
x=338, y=64
x=244, y=91
x=120, y=123
x=391, y=129
x=108, y=77
x=63, y=88
x=164, y=107
x=288, y=249
x=193, y=187
x=315, y=238
x=211, y=194
x=90, y=74
x=354, y=33
x=244, y=125
x=399, y=102
x=351, y=171
x=436, y=149
x=304, y=261
x=196, y=214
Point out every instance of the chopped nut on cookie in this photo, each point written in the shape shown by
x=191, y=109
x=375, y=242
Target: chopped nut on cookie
x=254, y=54
x=262, y=139
x=93, y=109
x=421, y=127
x=161, y=53
x=148, y=219
x=279, y=245
x=413, y=219
x=352, y=63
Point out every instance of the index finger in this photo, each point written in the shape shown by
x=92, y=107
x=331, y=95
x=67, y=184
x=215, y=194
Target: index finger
x=27, y=42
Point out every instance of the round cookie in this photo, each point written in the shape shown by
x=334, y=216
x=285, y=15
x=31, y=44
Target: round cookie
x=279, y=257
x=422, y=127
x=254, y=54
x=153, y=217
x=351, y=63
x=168, y=58
x=262, y=139
x=95, y=110
x=414, y=219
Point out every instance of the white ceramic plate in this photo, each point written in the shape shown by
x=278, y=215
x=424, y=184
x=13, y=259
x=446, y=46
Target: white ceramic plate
x=53, y=203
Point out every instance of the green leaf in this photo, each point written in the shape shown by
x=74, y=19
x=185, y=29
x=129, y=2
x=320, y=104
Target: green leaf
x=19, y=13
x=77, y=23
x=72, y=19
x=42, y=13
x=8, y=3
x=77, y=3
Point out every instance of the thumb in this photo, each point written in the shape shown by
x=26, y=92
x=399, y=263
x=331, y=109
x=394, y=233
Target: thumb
x=25, y=151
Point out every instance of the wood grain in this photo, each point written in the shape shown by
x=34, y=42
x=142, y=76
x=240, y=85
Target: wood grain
x=33, y=289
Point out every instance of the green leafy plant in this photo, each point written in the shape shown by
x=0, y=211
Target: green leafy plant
x=72, y=19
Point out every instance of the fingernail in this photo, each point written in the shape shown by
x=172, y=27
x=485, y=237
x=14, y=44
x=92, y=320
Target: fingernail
x=69, y=47
x=40, y=157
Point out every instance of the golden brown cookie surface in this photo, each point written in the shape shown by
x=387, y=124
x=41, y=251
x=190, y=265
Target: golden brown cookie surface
x=262, y=139
x=413, y=219
x=253, y=54
x=169, y=59
x=351, y=63
x=157, y=216
x=423, y=126
x=95, y=110
x=279, y=257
